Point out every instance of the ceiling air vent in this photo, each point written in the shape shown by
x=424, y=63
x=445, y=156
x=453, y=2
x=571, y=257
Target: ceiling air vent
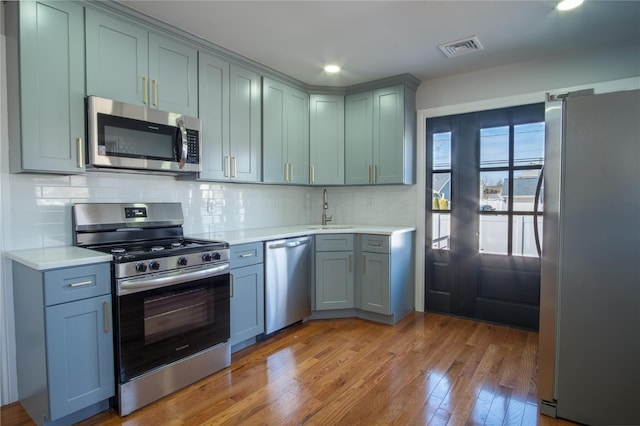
x=462, y=46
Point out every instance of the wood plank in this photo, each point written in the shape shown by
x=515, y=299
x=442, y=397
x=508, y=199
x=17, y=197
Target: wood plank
x=427, y=369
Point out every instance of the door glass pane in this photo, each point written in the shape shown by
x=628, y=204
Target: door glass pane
x=493, y=196
x=441, y=232
x=493, y=234
x=524, y=190
x=442, y=151
x=441, y=191
x=494, y=147
x=524, y=243
x=528, y=144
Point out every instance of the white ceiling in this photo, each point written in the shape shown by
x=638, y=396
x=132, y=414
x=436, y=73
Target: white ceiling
x=376, y=39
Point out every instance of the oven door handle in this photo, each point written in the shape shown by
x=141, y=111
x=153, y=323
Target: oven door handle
x=174, y=277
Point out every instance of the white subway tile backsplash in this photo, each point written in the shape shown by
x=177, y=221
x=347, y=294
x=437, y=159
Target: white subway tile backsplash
x=39, y=206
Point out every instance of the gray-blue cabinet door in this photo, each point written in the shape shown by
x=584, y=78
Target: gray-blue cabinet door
x=388, y=135
x=334, y=280
x=247, y=303
x=245, y=117
x=326, y=139
x=359, y=139
x=297, y=110
x=173, y=75
x=285, y=133
x=274, y=158
x=213, y=99
x=117, y=59
x=375, y=284
x=51, y=86
x=80, y=367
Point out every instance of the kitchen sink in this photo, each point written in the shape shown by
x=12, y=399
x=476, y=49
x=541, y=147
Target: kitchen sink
x=320, y=227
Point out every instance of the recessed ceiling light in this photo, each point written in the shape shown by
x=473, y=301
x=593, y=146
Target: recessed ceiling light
x=568, y=4
x=332, y=68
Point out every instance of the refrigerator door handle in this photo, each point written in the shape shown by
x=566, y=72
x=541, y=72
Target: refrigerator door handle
x=536, y=202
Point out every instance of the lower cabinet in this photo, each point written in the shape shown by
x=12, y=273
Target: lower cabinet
x=364, y=275
x=375, y=286
x=64, y=341
x=334, y=272
x=247, y=294
x=386, y=279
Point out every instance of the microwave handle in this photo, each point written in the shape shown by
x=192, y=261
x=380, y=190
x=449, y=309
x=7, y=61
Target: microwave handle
x=183, y=150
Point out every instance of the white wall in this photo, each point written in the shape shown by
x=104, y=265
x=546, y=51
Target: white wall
x=583, y=67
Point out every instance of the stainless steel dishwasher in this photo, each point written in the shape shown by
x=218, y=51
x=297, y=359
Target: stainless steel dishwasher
x=287, y=286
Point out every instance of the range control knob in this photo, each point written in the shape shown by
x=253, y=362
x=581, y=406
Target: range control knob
x=141, y=267
x=207, y=257
x=182, y=261
x=216, y=256
x=154, y=265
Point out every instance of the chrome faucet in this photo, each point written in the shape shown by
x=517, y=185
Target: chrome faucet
x=325, y=207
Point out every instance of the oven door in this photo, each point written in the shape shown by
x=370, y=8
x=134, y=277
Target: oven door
x=158, y=326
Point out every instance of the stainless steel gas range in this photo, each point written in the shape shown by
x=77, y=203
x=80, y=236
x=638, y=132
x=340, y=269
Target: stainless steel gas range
x=171, y=297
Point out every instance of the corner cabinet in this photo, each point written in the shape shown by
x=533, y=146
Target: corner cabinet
x=380, y=135
x=64, y=341
x=247, y=294
x=45, y=93
x=334, y=269
x=229, y=105
x=285, y=133
x=386, y=279
x=125, y=62
x=326, y=139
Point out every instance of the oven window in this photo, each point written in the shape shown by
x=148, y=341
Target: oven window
x=174, y=313
x=158, y=326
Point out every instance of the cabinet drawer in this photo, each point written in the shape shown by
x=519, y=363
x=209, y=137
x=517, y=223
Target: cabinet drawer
x=246, y=254
x=334, y=242
x=75, y=283
x=375, y=243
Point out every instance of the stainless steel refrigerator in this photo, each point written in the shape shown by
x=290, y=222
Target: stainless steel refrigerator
x=589, y=352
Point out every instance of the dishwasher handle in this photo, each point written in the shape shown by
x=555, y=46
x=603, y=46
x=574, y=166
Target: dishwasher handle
x=289, y=243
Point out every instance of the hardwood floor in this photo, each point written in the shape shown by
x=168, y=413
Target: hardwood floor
x=429, y=369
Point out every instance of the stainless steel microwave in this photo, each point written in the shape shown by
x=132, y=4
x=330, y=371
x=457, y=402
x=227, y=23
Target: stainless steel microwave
x=125, y=136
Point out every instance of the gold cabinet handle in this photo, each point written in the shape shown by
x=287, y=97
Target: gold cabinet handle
x=155, y=92
x=375, y=173
x=235, y=166
x=313, y=173
x=369, y=174
x=350, y=264
x=233, y=284
x=107, y=322
x=227, y=167
x=145, y=91
x=80, y=149
x=375, y=243
x=286, y=172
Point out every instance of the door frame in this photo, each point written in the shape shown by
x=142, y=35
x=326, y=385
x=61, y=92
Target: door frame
x=462, y=108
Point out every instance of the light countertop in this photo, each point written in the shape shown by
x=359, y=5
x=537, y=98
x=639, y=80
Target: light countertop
x=267, y=234
x=57, y=257
x=61, y=257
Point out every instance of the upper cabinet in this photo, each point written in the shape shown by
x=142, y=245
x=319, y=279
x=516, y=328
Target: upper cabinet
x=380, y=136
x=45, y=93
x=285, y=133
x=326, y=139
x=229, y=104
x=127, y=63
